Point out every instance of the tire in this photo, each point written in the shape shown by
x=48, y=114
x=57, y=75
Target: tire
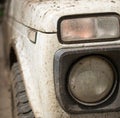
x=21, y=106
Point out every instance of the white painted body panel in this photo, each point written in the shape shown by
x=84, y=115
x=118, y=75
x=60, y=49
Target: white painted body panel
x=36, y=60
x=43, y=15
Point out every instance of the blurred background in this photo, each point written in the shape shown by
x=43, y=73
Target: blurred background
x=5, y=95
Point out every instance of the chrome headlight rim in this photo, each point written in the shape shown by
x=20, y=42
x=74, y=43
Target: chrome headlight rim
x=86, y=16
x=108, y=96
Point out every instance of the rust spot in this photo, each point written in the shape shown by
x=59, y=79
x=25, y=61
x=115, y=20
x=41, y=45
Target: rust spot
x=113, y=1
x=30, y=5
x=58, y=6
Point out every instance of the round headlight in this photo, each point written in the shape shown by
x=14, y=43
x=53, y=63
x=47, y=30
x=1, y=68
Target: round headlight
x=92, y=80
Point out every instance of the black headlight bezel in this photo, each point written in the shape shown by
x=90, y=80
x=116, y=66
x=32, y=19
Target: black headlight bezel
x=63, y=60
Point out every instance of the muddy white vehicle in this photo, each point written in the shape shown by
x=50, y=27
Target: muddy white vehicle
x=64, y=57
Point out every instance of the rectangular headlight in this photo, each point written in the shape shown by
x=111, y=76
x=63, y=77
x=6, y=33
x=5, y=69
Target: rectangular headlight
x=89, y=28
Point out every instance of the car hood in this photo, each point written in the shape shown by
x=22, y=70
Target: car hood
x=43, y=15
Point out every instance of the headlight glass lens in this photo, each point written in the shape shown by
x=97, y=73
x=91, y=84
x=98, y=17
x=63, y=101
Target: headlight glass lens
x=76, y=29
x=91, y=80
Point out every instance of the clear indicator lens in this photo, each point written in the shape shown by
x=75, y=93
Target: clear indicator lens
x=108, y=27
x=90, y=28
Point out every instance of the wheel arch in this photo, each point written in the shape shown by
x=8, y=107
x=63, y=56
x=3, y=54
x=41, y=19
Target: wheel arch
x=12, y=57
